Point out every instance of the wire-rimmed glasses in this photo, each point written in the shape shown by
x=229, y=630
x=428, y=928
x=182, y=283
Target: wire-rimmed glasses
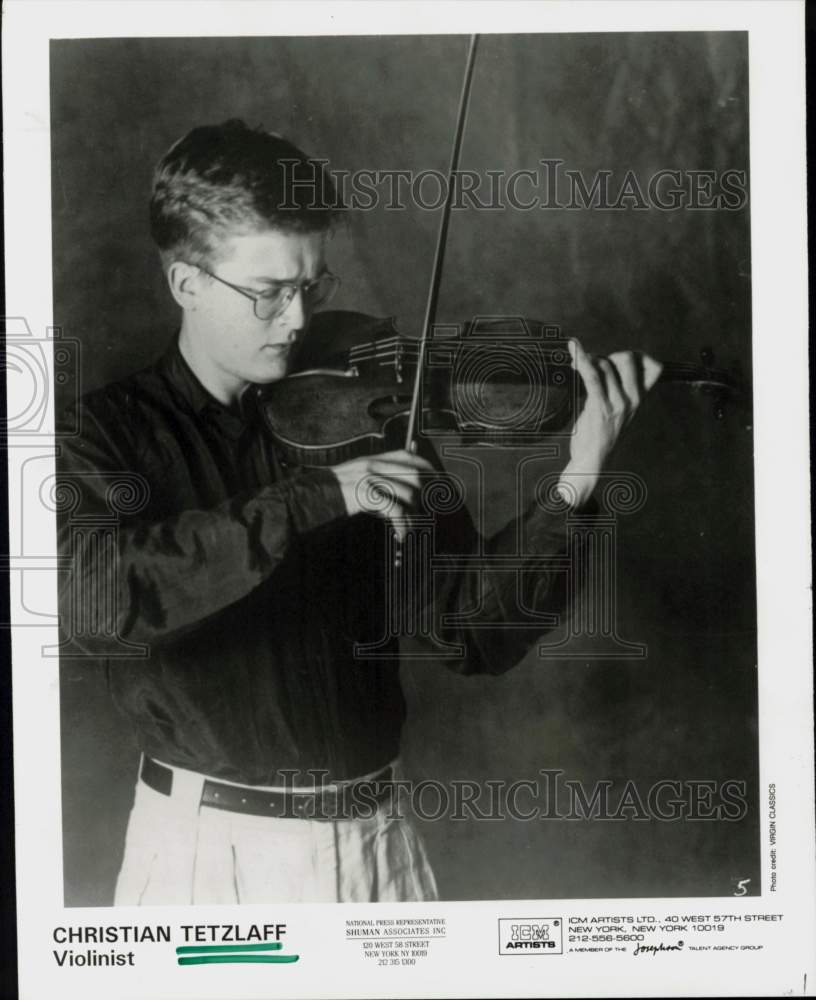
x=272, y=302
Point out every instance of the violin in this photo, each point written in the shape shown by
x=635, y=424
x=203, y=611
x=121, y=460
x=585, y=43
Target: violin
x=497, y=382
x=359, y=387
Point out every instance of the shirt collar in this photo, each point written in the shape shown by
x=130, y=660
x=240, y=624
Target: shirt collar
x=234, y=421
x=185, y=382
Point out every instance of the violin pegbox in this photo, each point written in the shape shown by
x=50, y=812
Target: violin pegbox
x=717, y=393
x=720, y=385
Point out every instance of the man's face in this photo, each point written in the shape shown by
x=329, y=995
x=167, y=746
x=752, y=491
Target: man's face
x=241, y=347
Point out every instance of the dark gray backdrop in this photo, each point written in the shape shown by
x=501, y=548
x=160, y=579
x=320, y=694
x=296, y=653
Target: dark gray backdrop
x=667, y=282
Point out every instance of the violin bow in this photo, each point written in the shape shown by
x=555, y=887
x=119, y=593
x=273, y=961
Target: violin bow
x=441, y=244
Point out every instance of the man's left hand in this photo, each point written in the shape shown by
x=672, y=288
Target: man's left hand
x=615, y=386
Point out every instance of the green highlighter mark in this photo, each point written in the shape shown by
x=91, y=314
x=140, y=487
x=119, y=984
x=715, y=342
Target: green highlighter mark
x=225, y=949
x=213, y=954
x=243, y=957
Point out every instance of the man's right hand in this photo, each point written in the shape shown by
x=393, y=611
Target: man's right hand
x=387, y=485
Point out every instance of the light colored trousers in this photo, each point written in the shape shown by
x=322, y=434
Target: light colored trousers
x=178, y=851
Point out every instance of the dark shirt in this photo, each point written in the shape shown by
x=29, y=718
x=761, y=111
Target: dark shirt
x=227, y=593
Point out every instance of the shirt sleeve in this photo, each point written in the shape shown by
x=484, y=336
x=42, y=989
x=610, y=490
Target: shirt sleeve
x=491, y=599
x=147, y=580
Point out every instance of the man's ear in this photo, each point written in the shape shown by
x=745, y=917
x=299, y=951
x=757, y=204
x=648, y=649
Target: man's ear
x=185, y=284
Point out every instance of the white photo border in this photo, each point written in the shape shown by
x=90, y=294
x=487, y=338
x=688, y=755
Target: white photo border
x=782, y=492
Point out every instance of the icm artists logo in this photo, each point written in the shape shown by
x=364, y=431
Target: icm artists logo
x=530, y=936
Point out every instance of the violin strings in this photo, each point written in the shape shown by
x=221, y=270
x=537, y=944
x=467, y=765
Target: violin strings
x=375, y=343
x=382, y=349
x=390, y=350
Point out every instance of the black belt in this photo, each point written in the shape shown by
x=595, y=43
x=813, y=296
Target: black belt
x=355, y=800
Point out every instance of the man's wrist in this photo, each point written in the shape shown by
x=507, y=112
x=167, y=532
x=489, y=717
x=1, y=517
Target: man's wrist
x=577, y=483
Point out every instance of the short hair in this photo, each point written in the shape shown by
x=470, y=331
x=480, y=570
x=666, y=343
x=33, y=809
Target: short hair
x=221, y=178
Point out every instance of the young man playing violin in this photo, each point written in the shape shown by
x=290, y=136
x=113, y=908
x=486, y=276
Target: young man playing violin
x=250, y=583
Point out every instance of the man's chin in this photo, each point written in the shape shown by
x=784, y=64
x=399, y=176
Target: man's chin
x=274, y=370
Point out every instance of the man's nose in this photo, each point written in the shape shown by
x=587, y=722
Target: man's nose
x=295, y=313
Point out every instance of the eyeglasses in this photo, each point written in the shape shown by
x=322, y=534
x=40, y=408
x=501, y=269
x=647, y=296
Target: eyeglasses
x=272, y=303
